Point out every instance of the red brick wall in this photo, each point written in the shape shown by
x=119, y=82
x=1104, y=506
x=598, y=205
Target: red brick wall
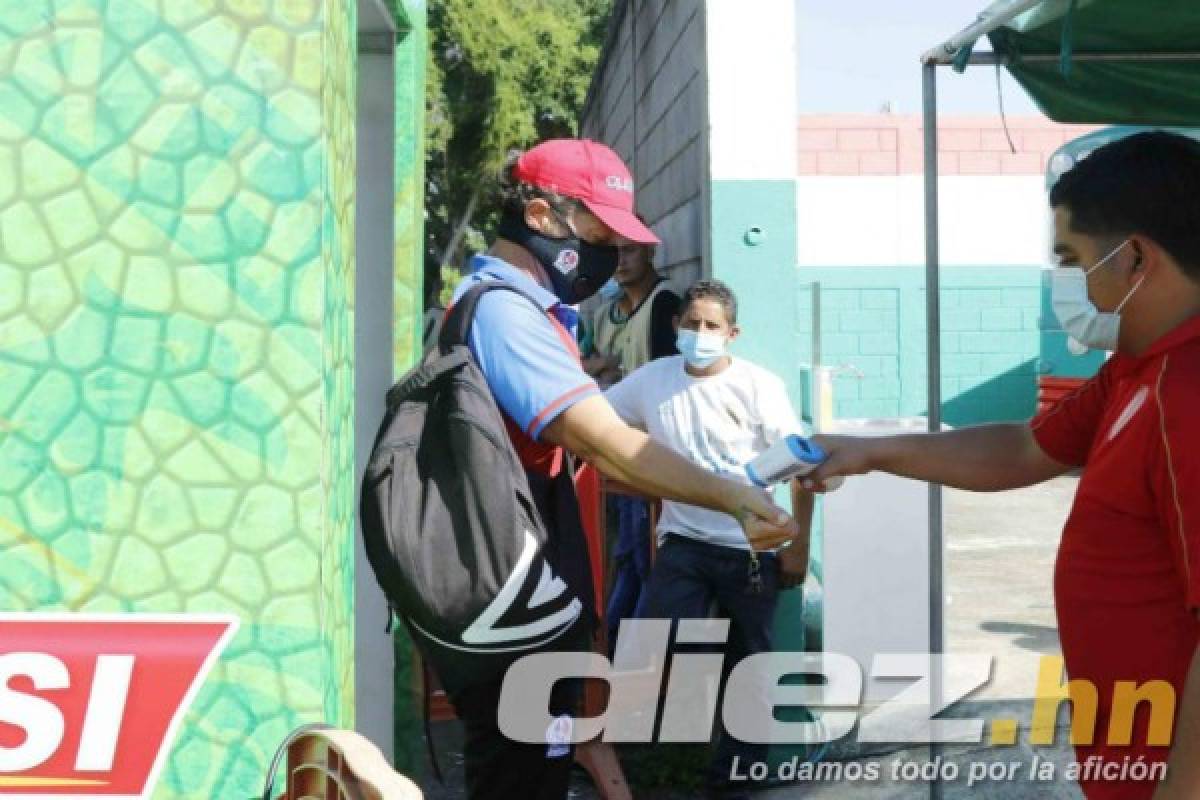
x=891, y=144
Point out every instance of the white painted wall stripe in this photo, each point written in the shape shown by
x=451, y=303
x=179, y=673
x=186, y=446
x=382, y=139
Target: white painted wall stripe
x=879, y=220
x=752, y=89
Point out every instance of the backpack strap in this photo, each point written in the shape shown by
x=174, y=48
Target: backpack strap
x=429, y=369
x=456, y=327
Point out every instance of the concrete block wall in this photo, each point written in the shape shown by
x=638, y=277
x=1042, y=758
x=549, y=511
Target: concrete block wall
x=860, y=232
x=873, y=324
x=891, y=144
x=647, y=102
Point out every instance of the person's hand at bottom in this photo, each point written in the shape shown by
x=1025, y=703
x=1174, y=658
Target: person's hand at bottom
x=765, y=524
x=845, y=455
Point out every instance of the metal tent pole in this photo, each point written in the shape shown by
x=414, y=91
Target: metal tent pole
x=997, y=14
x=989, y=58
x=933, y=339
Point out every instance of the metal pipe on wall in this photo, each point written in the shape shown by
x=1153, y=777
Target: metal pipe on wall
x=815, y=288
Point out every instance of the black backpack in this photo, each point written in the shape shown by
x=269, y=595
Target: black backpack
x=454, y=531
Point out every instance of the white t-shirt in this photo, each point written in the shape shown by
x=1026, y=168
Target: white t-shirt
x=721, y=422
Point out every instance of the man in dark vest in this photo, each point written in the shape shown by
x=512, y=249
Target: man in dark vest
x=637, y=324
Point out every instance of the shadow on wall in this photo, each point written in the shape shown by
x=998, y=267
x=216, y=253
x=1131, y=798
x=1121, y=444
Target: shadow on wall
x=1010, y=396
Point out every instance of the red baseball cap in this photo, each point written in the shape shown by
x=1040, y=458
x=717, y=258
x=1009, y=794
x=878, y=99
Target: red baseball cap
x=589, y=172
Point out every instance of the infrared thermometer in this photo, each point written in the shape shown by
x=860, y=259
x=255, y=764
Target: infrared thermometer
x=791, y=457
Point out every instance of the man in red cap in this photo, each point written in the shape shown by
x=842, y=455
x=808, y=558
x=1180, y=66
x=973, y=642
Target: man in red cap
x=564, y=205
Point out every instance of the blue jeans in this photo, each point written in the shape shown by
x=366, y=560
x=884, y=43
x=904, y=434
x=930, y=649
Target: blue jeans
x=631, y=559
x=689, y=576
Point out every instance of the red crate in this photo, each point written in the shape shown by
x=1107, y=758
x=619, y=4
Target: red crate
x=1051, y=389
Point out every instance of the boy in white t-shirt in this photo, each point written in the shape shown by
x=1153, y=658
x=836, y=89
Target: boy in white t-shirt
x=720, y=412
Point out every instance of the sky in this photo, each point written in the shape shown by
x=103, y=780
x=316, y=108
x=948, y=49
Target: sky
x=855, y=56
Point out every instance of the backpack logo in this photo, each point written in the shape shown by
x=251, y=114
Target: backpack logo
x=90, y=703
x=520, y=617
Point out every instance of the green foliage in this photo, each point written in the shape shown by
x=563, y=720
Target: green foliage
x=450, y=279
x=502, y=74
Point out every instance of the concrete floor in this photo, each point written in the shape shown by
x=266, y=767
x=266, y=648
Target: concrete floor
x=999, y=565
x=999, y=575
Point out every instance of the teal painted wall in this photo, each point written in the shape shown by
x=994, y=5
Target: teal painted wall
x=761, y=275
x=411, y=46
x=998, y=335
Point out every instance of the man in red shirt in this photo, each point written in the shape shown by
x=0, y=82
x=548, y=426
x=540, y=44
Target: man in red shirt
x=1127, y=577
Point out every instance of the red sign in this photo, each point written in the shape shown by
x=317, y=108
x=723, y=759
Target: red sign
x=90, y=703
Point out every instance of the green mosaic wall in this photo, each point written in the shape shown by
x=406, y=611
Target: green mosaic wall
x=176, y=342
x=338, y=106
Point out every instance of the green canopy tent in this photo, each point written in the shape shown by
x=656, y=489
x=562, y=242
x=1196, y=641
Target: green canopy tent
x=1133, y=62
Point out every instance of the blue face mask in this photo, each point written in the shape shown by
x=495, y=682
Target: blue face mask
x=700, y=350
x=610, y=290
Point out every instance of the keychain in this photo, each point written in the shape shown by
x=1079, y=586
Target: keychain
x=754, y=581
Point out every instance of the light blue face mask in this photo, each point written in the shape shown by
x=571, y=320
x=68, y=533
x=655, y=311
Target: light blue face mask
x=1078, y=315
x=610, y=290
x=700, y=350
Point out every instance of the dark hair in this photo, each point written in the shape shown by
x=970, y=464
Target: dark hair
x=515, y=194
x=711, y=290
x=648, y=249
x=1147, y=183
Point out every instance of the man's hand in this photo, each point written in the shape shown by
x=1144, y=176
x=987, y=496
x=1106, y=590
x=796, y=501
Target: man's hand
x=765, y=524
x=598, y=364
x=980, y=458
x=593, y=431
x=847, y=455
x=606, y=370
x=793, y=563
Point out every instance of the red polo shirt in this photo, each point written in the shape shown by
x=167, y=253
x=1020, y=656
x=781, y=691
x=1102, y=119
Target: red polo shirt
x=1127, y=578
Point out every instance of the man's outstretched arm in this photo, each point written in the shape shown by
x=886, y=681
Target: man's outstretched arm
x=592, y=430
x=982, y=458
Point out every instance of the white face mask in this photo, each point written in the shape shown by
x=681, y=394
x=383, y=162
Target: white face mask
x=1075, y=310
